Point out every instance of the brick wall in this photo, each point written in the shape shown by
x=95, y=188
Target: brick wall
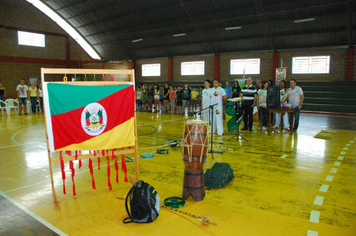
x=164, y=70
x=124, y=65
x=266, y=63
x=338, y=59
x=209, y=68
x=17, y=61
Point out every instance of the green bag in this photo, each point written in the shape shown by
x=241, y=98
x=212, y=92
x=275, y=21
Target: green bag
x=218, y=176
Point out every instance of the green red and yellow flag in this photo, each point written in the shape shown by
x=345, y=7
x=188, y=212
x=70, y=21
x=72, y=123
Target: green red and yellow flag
x=87, y=117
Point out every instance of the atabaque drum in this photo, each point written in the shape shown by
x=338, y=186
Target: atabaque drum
x=194, y=151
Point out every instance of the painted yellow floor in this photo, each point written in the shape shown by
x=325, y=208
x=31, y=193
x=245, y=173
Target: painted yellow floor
x=277, y=181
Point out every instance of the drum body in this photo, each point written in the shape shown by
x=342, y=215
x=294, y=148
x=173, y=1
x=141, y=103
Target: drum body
x=194, y=152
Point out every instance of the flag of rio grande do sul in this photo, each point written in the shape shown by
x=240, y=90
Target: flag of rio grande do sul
x=83, y=117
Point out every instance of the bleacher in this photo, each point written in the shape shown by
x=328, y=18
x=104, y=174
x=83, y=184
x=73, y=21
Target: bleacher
x=329, y=96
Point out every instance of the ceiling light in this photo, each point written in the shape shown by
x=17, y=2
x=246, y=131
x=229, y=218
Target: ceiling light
x=179, y=35
x=233, y=28
x=304, y=20
x=137, y=40
x=66, y=27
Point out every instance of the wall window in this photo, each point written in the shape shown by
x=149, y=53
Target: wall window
x=245, y=66
x=31, y=39
x=311, y=65
x=193, y=68
x=151, y=69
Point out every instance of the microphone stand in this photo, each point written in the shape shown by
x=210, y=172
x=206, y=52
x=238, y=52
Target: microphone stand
x=211, y=107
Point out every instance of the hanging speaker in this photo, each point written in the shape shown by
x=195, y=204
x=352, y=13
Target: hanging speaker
x=273, y=97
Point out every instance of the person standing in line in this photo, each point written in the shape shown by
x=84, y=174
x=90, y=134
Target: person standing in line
x=179, y=99
x=295, y=97
x=138, y=99
x=144, y=98
x=228, y=89
x=282, y=92
x=248, y=94
x=172, y=100
x=195, y=99
x=22, y=94
x=40, y=96
x=166, y=98
x=186, y=98
x=235, y=92
x=200, y=96
x=157, y=98
x=262, y=102
x=218, y=96
x=206, y=96
x=33, y=97
x=2, y=93
x=150, y=96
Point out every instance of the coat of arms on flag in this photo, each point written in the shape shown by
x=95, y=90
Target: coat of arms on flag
x=94, y=119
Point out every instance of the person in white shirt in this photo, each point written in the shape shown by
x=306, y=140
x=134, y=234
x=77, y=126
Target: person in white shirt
x=22, y=94
x=206, y=94
x=295, y=97
x=218, y=96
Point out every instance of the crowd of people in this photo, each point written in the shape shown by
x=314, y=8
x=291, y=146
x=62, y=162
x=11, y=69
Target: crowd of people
x=193, y=99
x=196, y=99
x=26, y=92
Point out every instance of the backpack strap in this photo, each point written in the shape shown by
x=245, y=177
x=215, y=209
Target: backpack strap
x=129, y=195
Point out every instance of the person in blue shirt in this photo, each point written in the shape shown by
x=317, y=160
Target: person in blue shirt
x=228, y=89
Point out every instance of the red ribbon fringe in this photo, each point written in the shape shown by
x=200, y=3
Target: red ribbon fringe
x=91, y=173
x=63, y=173
x=109, y=183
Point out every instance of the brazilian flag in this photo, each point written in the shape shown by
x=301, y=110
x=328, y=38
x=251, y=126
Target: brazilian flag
x=230, y=116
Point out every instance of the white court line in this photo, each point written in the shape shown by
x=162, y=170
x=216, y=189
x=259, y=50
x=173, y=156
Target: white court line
x=318, y=200
x=342, y=153
x=345, y=148
x=284, y=156
x=333, y=170
x=329, y=178
x=340, y=158
x=314, y=216
x=337, y=163
x=33, y=215
x=312, y=233
x=324, y=188
x=348, y=144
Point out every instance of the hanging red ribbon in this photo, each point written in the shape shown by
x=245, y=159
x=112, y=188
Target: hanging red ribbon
x=80, y=160
x=63, y=173
x=71, y=166
x=123, y=165
x=117, y=171
x=109, y=183
x=112, y=78
x=69, y=153
x=91, y=173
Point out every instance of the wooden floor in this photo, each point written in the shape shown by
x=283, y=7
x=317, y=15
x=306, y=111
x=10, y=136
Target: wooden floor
x=284, y=184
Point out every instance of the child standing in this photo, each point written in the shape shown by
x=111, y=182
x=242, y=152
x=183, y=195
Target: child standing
x=179, y=98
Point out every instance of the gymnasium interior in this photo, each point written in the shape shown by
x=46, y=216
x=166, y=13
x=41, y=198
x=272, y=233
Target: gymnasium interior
x=285, y=182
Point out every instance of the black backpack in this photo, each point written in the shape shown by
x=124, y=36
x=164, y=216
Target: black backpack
x=144, y=203
x=218, y=176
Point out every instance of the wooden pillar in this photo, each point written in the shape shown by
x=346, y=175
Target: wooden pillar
x=275, y=64
x=216, y=66
x=170, y=69
x=350, y=63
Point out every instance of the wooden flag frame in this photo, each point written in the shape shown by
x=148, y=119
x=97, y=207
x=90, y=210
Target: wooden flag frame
x=65, y=71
